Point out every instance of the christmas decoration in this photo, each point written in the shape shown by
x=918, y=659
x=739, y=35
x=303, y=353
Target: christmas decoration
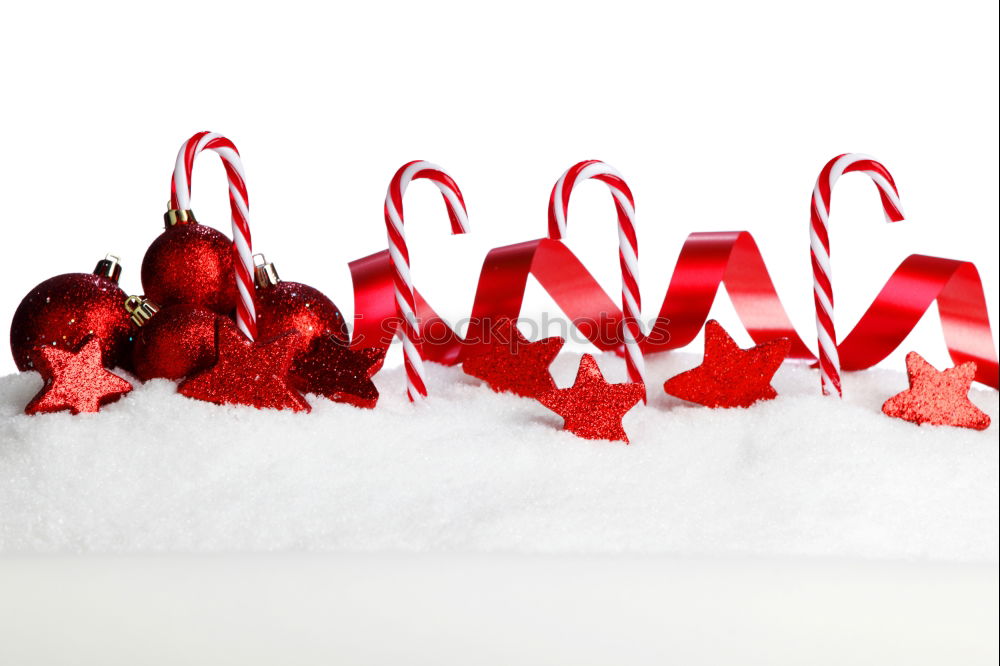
x=247, y=372
x=64, y=310
x=409, y=327
x=730, y=376
x=512, y=363
x=75, y=380
x=197, y=265
x=628, y=249
x=937, y=397
x=332, y=369
x=706, y=262
x=592, y=408
x=172, y=342
x=829, y=361
x=192, y=264
x=284, y=306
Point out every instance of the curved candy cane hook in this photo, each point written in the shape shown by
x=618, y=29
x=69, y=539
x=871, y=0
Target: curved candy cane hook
x=180, y=203
x=410, y=334
x=819, y=243
x=628, y=248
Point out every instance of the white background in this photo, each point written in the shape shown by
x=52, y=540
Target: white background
x=719, y=115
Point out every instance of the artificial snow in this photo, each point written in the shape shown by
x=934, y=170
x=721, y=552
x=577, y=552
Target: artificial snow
x=470, y=471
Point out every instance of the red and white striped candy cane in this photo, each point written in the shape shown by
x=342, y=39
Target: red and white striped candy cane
x=819, y=243
x=628, y=248
x=180, y=199
x=409, y=327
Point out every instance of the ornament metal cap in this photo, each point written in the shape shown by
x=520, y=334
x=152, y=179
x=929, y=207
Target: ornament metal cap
x=264, y=272
x=140, y=309
x=109, y=267
x=174, y=216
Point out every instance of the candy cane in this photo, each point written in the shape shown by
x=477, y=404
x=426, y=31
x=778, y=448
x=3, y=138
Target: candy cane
x=409, y=332
x=819, y=243
x=180, y=200
x=628, y=248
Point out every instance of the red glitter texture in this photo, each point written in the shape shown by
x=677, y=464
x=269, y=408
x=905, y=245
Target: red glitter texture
x=74, y=380
x=190, y=263
x=298, y=307
x=592, y=408
x=64, y=310
x=177, y=341
x=514, y=364
x=247, y=373
x=332, y=369
x=729, y=376
x=937, y=397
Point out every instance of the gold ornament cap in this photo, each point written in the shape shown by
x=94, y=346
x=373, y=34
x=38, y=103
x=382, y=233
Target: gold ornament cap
x=140, y=309
x=109, y=267
x=174, y=217
x=264, y=273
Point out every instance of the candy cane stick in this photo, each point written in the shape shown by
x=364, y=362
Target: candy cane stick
x=409, y=332
x=180, y=199
x=819, y=228
x=628, y=248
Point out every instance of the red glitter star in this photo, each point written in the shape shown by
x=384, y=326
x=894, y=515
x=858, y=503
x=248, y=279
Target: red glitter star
x=729, y=376
x=938, y=397
x=514, y=364
x=332, y=369
x=247, y=372
x=592, y=408
x=76, y=381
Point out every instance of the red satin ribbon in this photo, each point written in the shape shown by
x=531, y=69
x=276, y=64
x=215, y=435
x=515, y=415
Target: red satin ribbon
x=706, y=261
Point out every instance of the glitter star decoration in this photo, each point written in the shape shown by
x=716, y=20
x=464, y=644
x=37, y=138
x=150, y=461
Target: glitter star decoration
x=728, y=375
x=332, y=369
x=74, y=380
x=512, y=363
x=248, y=372
x=937, y=397
x=592, y=408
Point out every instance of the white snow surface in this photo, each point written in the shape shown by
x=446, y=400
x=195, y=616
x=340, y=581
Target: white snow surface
x=470, y=470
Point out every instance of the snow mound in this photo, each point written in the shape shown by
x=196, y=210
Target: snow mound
x=471, y=470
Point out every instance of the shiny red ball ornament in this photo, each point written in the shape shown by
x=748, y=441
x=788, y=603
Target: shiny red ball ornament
x=190, y=263
x=291, y=306
x=172, y=342
x=64, y=310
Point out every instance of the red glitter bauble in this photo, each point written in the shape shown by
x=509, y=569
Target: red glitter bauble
x=291, y=306
x=62, y=311
x=190, y=263
x=175, y=342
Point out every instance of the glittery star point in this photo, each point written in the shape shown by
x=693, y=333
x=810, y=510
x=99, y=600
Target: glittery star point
x=937, y=397
x=592, y=408
x=254, y=373
x=332, y=369
x=730, y=376
x=512, y=363
x=74, y=380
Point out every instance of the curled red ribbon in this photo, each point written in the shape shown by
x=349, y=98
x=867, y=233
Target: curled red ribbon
x=706, y=261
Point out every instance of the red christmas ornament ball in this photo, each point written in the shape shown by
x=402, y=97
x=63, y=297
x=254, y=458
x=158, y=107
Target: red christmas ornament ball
x=63, y=310
x=174, y=342
x=190, y=263
x=283, y=306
